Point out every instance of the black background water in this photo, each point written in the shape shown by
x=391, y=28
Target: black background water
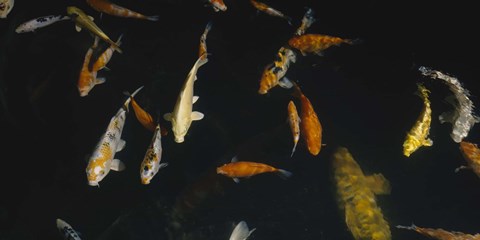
x=362, y=94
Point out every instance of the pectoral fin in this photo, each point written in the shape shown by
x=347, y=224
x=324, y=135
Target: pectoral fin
x=91, y=18
x=117, y=165
x=197, y=116
x=428, y=142
x=378, y=184
x=99, y=80
x=121, y=145
x=236, y=180
x=195, y=98
x=167, y=117
x=78, y=28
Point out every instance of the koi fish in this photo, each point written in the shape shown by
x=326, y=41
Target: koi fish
x=67, y=231
x=307, y=21
x=202, y=52
x=471, y=153
x=102, y=159
x=462, y=117
x=241, y=169
x=270, y=11
x=105, y=57
x=143, y=116
x=151, y=162
x=5, y=7
x=316, y=43
x=294, y=121
x=309, y=125
x=241, y=232
x=88, y=78
x=82, y=20
x=107, y=7
x=418, y=135
x=274, y=74
x=182, y=115
x=356, y=194
x=441, y=234
x=218, y=5
x=40, y=22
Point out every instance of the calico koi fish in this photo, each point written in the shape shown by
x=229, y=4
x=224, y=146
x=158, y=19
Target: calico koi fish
x=471, y=153
x=270, y=11
x=294, y=121
x=182, y=115
x=316, y=43
x=241, y=231
x=218, y=5
x=82, y=20
x=102, y=159
x=202, y=52
x=151, y=162
x=88, y=78
x=5, y=7
x=107, y=7
x=40, y=22
x=418, y=134
x=241, y=169
x=310, y=126
x=274, y=74
x=67, y=231
x=356, y=196
x=441, y=234
x=307, y=21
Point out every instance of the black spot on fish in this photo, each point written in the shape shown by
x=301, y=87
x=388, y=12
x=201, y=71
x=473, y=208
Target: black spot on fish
x=42, y=19
x=276, y=70
x=145, y=169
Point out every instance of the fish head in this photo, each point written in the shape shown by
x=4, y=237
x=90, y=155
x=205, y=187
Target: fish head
x=221, y=170
x=219, y=5
x=5, y=7
x=22, y=28
x=179, y=131
x=410, y=145
x=95, y=174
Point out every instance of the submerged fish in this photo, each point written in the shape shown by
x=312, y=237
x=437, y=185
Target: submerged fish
x=441, y=234
x=202, y=52
x=316, y=43
x=274, y=74
x=67, y=231
x=40, y=22
x=294, y=122
x=5, y=7
x=418, y=134
x=107, y=7
x=307, y=21
x=151, y=162
x=241, y=169
x=310, y=126
x=102, y=159
x=270, y=11
x=471, y=153
x=218, y=5
x=87, y=78
x=356, y=197
x=241, y=231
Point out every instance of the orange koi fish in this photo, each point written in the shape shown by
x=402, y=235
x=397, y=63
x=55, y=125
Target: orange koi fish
x=316, y=43
x=241, y=169
x=202, y=52
x=218, y=5
x=274, y=74
x=294, y=121
x=144, y=117
x=107, y=7
x=441, y=234
x=471, y=153
x=105, y=57
x=310, y=125
x=88, y=78
x=270, y=11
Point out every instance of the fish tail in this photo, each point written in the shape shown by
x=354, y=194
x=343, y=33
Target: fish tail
x=284, y=173
x=119, y=40
x=353, y=41
x=297, y=92
x=153, y=18
x=293, y=150
x=125, y=105
x=208, y=27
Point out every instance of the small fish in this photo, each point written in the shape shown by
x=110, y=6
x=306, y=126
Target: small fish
x=218, y=5
x=418, y=135
x=471, y=153
x=270, y=11
x=105, y=57
x=241, y=169
x=102, y=160
x=316, y=43
x=67, y=231
x=310, y=126
x=40, y=22
x=87, y=78
x=441, y=234
x=241, y=232
x=307, y=21
x=294, y=121
x=142, y=116
x=151, y=162
x=82, y=20
x=202, y=52
x=5, y=7
x=274, y=74
x=107, y=7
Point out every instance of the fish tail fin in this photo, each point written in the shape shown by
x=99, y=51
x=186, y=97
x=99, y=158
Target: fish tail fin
x=153, y=18
x=422, y=91
x=353, y=41
x=284, y=173
x=119, y=40
x=293, y=149
x=460, y=168
x=130, y=96
x=208, y=27
x=411, y=227
x=115, y=46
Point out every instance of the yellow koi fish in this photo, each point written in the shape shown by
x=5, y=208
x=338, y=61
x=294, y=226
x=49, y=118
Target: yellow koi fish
x=418, y=135
x=356, y=197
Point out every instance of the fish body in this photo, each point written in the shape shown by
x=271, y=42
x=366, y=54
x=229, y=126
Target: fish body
x=105, y=57
x=471, y=153
x=294, y=122
x=307, y=21
x=269, y=10
x=67, y=231
x=143, y=116
x=107, y=7
x=243, y=169
x=441, y=234
x=218, y=5
x=418, y=134
x=202, y=52
x=87, y=78
x=151, y=162
x=82, y=20
x=40, y=22
x=310, y=126
x=315, y=43
x=5, y=7
x=356, y=197
x=274, y=74
x=241, y=231
x=182, y=115
x=102, y=160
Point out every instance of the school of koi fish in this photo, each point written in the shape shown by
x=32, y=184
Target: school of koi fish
x=355, y=191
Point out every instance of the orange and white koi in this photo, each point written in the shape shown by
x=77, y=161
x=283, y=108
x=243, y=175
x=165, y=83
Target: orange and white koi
x=274, y=74
x=418, y=135
x=105, y=57
x=270, y=11
x=88, y=78
x=441, y=234
x=202, y=52
x=102, y=160
x=107, y=7
x=310, y=125
x=471, y=153
x=5, y=7
x=316, y=43
x=294, y=121
x=218, y=5
x=242, y=169
x=307, y=21
x=151, y=162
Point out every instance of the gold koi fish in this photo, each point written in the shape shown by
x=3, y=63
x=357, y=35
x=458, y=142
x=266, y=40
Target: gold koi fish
x=441, y=234
x=294, y=121
x=107, y=7
x=418, y=135
x=87, y=78
x=316, y=43
x=310, y=126
x=270, y=11
x=356, y=196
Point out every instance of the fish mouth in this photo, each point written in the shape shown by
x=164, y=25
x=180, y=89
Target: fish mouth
x=145, y=181
x=93, y=183
x=179, y=140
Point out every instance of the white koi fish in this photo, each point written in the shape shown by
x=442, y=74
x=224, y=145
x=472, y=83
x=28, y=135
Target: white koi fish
x=182, y=115
x=151, y=162
x=67, y=231
x=102, y=159
x=241, y=232
x=40, y=22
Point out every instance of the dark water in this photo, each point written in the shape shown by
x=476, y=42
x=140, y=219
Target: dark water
x=362, y=94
